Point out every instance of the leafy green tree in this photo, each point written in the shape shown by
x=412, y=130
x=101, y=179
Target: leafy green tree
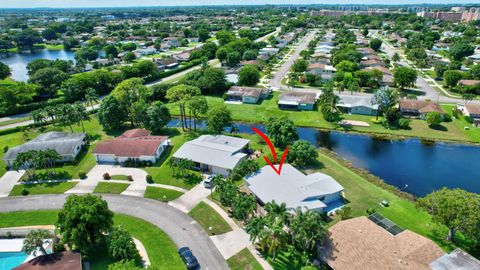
x=440, y=69
x=224, y=37
x=244, y=168
x=124, y=265
x=233, y=58
x=328, y=103
x=221, y=54
x=197, y=105
x=218, y=117
x=49, y=34
x=26, y=38
x=34, y=242
x=302, y=153
x=460, y=50
x=203, y=34
x=404, y=77
x=433, y=118
x=250, y=55
x=13, y=95
x=385, y=98
x=395, y=57
x=4, y=71
x=244, y=206
x=158, y=116
x=111, y=51
x=121, y=245
x=111, y=114
x=282, y=131
x=181, y=94
x=49, y=79
x=457, y=209
x=66, y=116
x=307, y=229
x=246, y=33
x=84, y=221
x=248, y=75
x=452, y=77
x=210, y=80
x=129, y=57
x=86, y=54
x=300, y=65
x=346, y=66
x=376, y=44
x=130, y=46
x=130, y=91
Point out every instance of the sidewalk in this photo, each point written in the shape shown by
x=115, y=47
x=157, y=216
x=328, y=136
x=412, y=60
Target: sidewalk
x=8, y=181
x=191, y=198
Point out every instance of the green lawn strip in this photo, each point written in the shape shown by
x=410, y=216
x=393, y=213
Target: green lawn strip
x=161, y=194
x=115, y=188
x=161, y=251
x=207, y=217
x=283, y=261
x=43, y=188
x=260, y=113
x=162, y=173
x=119, y=177
x=363, y=194
x=243, y=260
x=51, y=47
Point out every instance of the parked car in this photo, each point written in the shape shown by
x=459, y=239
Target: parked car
x=208, y=183
x=188, y=258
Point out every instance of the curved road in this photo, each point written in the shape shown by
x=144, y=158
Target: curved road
x=182, y=229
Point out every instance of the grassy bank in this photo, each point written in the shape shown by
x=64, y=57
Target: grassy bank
x=243, y=260
x=161, y=194
x=114, y=188
x=210, y=220
x=44, y=188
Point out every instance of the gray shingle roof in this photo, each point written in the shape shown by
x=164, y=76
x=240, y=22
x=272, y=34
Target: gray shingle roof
x=355, y=101
x=219, y=151
x=292, y=187
x=457, y=259
x=63, y=143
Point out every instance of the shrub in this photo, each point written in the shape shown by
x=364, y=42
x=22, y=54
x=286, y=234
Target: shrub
x=130, y=178
x=404, y=123
x=58, y=245
x=82, y=175
x=345, y=212
x=149, y=179
x=106, y=176
x=25, y=192
x=149, y=163
x=376, y=121
x=5, y=149
x=447, y=118
x=371, y=211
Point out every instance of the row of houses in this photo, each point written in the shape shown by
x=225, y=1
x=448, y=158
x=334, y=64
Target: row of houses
x=320, y=64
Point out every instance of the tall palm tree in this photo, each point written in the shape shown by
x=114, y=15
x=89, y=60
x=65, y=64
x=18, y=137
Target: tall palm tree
x=275, y=210
x=255, y=226
x=35, y=240
x=273, y=237
x=91, y=96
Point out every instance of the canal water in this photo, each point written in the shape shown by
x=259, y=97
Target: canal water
x=18, y=61
x=412, y=165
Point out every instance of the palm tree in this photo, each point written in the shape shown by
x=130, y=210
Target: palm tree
x=35, y=240
x=255, y=226
x=91, y=96
x=80, y=114
x=275, y=210
x=273, y=237
x=307, y=229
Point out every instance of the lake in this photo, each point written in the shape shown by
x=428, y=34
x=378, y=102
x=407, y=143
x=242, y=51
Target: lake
x=18, y=61
x=412, y=166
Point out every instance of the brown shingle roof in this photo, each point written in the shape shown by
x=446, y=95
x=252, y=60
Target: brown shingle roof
x=245, y=91
x=469, y=82
x=301, y=97
x=420, y=106
x=359, y=243
x=132, y=143
x=473, y=108
x=65, y=260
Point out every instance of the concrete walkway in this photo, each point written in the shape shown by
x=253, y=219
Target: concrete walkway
x=190, y=199
x=8, y=181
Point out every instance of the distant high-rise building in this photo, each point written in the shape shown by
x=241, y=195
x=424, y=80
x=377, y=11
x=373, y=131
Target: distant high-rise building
x=353, y=8
x=418, y=9
x=458, y=9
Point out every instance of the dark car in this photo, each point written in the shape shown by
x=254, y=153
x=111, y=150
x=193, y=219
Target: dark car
x=188, y=258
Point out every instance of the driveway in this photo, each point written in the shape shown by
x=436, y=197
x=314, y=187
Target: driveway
x=8, y=181
x=182, y=229
x=190, y=199
x=136, y=188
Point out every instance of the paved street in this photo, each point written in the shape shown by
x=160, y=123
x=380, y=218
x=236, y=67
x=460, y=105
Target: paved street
x=8, y=181
x=182, y=229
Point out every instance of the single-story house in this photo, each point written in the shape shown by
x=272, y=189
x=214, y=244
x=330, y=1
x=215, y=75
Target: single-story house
x=134, y=144
x=360, y=243
x=147, y=51
x=67, y=145
x=469, y=82
x=65, y=260
x=297, y=100
x=217, y=154
x=246, y=94
x=472, y=111
x=166, y=63
x=457, y=259
x=268, y=51
x=357, y=105
x=171, y=41
x=319, y=69
x=297, y=190
x=418, y=108
x=182, y=57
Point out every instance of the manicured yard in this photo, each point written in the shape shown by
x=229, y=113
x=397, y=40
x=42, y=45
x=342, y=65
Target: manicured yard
x=243, y=260
x=268, y=108
x=161, y=251
x=473, y=133
x=162, y=173
x=207, y=217
x=162, y=194
x=115, y=188
x=44, y=188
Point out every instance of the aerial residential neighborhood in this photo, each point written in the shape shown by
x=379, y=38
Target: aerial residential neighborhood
x=294, y=135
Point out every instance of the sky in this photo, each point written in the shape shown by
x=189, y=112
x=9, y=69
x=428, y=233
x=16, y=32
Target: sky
x=129, y=3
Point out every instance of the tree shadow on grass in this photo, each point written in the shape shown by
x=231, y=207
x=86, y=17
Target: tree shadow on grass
x=439, y=127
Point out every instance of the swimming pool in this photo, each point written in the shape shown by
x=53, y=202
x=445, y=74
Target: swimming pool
x=9, y=260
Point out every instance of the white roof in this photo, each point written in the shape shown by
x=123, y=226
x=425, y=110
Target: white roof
x=356, y=101
x=219, y=151
x=292, y=187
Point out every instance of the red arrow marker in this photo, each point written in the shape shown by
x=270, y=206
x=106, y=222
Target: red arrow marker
x=272, y=149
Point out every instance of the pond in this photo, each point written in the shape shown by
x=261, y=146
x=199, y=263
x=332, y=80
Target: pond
x=411, y=165
x=18, y=61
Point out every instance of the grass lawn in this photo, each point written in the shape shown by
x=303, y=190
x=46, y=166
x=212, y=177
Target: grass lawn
x=243, y=260
x=207, y=217
x=162, y=173
x=51, y=47
x=261, y=112
x=44, y=188
x=115, y=188
x=162, y=194
x=119, y=177
x=473, y=133
x=161, y=251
